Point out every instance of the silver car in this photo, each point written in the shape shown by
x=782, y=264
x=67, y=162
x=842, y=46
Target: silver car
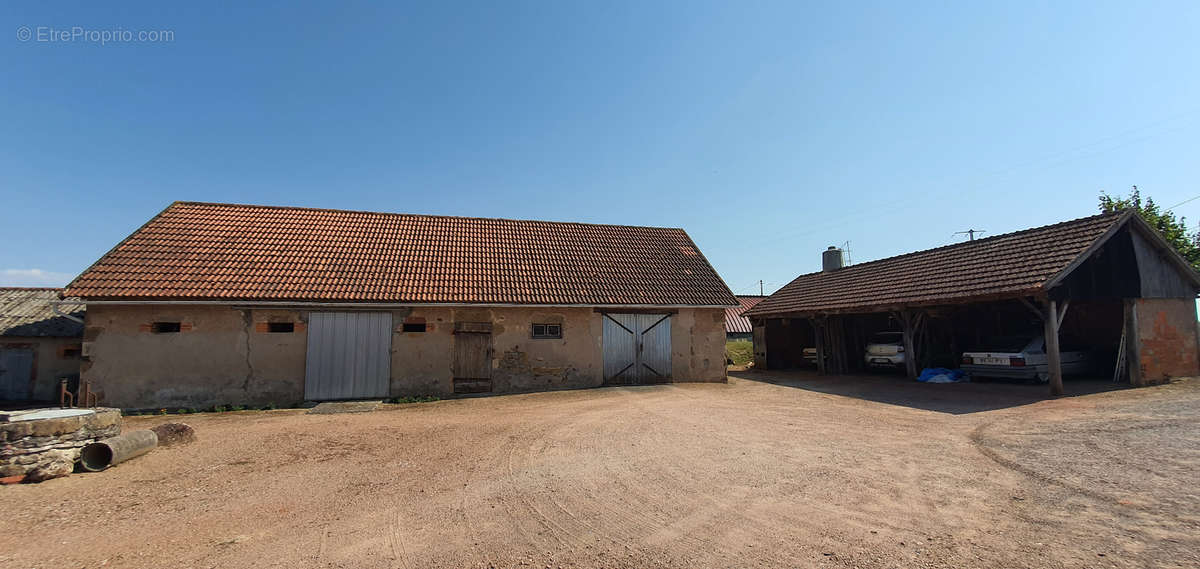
x=885, y=350
x=1022, y=357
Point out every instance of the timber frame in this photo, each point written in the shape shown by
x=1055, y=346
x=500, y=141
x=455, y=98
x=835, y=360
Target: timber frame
x=1159, y=272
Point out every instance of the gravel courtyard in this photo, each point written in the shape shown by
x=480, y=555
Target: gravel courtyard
x=770, y=470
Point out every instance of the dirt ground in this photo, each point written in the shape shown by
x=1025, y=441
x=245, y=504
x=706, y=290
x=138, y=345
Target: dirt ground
x=770, y=470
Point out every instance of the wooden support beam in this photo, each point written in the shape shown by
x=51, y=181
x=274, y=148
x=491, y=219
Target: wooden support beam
x=907, y=321
x=1062, y=312
x=1033, y=308
x=818, y=325
x=1053, y=356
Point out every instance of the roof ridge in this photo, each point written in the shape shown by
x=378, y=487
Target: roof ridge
x=1114, y=215
x=402, y=214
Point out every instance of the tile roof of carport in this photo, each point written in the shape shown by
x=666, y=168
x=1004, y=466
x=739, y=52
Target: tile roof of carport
x=226, y=252
x=1008, y=265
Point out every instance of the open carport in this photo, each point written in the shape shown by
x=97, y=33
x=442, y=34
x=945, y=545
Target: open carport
x=1105, y=292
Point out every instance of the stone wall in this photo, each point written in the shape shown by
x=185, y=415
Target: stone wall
x=221, y=355
x=46, y=448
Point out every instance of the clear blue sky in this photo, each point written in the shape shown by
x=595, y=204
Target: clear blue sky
x=767, y=130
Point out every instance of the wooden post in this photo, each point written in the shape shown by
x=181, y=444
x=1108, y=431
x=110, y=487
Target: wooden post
x=836, y=343
x=1053, y=356
x=910, y=353
x=819, y=333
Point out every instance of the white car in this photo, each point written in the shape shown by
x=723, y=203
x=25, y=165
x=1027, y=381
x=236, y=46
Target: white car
x=1021, y=357
x=810, y=355
x=885, y=350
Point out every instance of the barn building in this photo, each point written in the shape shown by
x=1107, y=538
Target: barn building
x=39, y=346
x=239, y=304
x=1108, y=286
x=737, y=326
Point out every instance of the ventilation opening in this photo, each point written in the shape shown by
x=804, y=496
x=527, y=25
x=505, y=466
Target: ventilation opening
x=165, y=328
x=414, y=326
x=281, y=327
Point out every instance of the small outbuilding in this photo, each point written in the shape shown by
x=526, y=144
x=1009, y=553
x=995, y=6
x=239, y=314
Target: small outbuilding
x=737, y=326
x=1107, y=285
x=39, y=346
x=241, y=304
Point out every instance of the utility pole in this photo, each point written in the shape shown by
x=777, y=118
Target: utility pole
x=970, y=233
x=760, y=288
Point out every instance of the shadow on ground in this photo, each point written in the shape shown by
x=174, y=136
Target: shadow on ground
x=954, y=398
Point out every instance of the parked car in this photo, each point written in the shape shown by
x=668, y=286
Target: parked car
x=885, y=350
x=810, y=356
x=1022, y=357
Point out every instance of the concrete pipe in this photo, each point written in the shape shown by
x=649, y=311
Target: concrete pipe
x=102, y=454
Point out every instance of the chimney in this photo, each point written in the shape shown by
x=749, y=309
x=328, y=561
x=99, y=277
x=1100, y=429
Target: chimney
x=831, y=260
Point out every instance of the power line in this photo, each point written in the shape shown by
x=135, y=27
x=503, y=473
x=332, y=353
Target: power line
x=1189, y=200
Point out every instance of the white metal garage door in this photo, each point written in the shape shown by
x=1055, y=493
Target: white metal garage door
x=349, y=355
x=637, y=348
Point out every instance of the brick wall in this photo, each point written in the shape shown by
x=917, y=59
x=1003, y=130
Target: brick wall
x=1166, y=340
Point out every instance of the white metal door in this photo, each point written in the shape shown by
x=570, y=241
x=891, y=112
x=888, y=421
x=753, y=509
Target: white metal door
x=349, y=355
x=637, y=348
x=16, y=373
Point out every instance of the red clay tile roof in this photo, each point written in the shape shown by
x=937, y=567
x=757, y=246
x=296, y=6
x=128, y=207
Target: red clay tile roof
x=201, y=251
x=1004, y=265
x=735, y=323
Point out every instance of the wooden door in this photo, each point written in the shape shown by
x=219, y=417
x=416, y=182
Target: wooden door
x=637, y=348
x=472, y=364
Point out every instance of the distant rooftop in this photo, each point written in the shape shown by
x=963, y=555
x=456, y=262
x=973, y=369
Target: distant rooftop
x=28, y=312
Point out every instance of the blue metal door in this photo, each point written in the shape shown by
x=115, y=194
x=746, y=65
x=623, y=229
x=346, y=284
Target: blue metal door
x=16, y=373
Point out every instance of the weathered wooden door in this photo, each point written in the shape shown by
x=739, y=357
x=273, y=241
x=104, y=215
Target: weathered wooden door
x=472, y=365
x=16, y=373
x=349, y=355
x=637, y=348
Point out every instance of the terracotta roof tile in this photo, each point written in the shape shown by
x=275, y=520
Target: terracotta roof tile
x=735, y=323
x=1008, y=264
x=201, y=251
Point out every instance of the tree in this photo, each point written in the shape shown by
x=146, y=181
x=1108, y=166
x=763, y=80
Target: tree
x=1174, y=230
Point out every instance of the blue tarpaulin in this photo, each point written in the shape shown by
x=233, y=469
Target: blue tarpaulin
x=941, y=375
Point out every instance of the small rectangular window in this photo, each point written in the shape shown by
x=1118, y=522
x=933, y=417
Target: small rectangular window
x=72, y=351
x=414, y=326
x=165, y=328
x=281, y=327
x=547, y=331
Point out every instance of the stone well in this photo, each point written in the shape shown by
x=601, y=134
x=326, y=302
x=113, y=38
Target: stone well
x=44, y=443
